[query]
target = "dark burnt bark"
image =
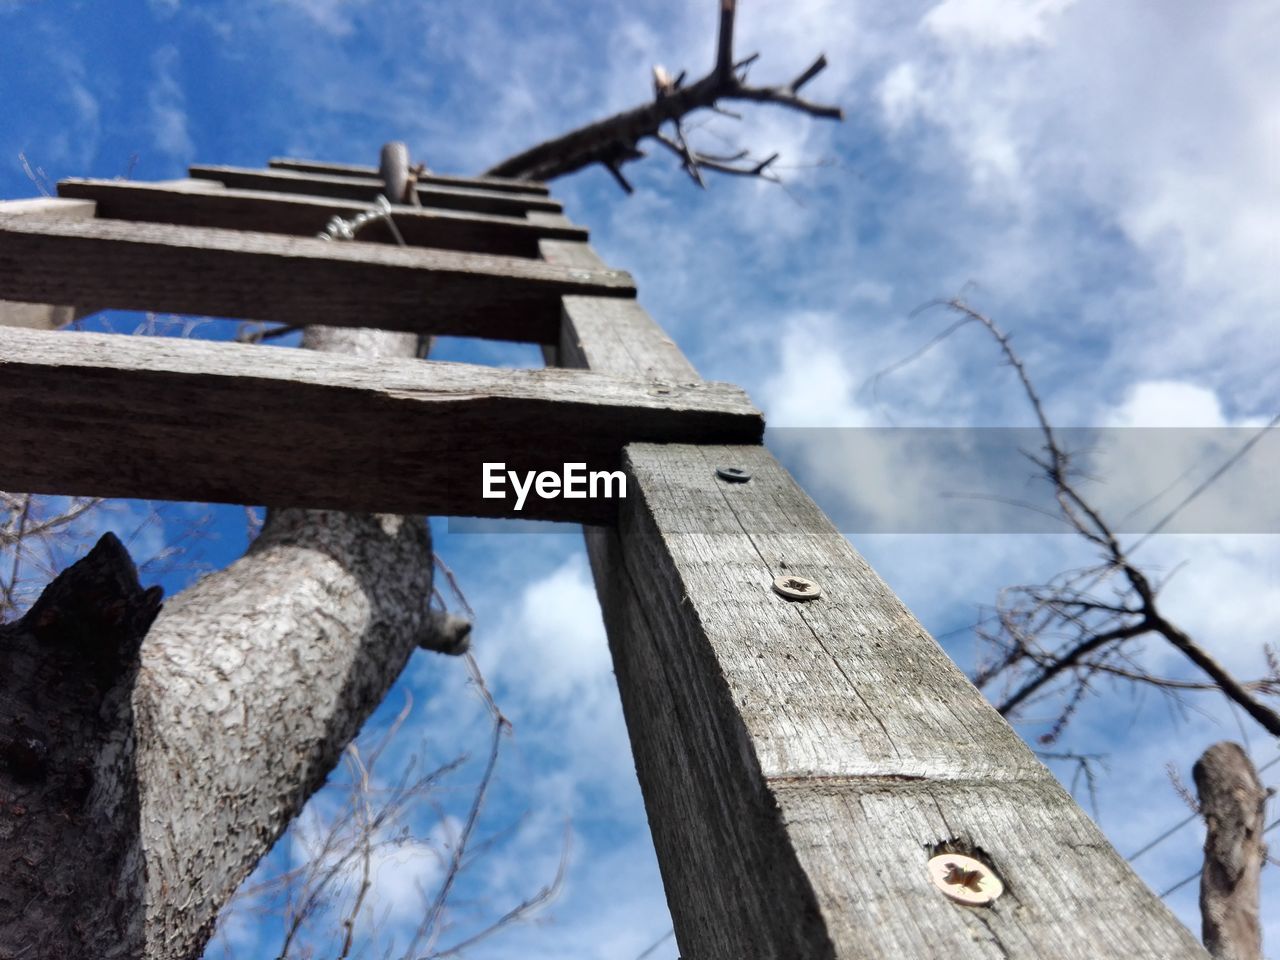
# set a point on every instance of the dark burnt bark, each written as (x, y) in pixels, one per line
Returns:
(69, 803)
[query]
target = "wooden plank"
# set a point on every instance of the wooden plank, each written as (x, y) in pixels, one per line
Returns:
(225, 273)
(300, 215)
(47, 207)
(42, 316)
(801, 761)
(826, 748)
(165, 418)
(366, 190)
(362, 170)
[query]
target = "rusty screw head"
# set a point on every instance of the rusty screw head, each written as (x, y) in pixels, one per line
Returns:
(733, 474)
(796, 588)
(965, 879)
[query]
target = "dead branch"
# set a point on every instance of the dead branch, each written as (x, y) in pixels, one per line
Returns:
(1056, 639)
(37, 532)
(615, 141)
(1233, 802)
(516, 914)
(428, 930)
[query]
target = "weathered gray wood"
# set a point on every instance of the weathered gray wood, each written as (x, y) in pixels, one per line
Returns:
(366, 189)
(362, 170)
(598, 335)
(42, 316)
(827, 748)
(801, 761)
(47, 207)
(1233, 802)
(306, 216)
(178, 419)
(224, 273)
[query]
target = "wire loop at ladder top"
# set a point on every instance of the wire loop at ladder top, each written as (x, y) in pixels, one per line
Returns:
(339, 228)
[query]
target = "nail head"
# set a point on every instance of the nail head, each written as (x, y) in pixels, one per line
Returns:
(796, 588)
(733, 474)
(965, 879)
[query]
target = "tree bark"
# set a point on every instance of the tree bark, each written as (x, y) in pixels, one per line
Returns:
(69, 825)
(1233, 802)
(255, 679)
(140, 788)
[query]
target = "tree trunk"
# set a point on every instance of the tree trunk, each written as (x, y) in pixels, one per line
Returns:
(68, 802)
(1233, 802)
(248, 687)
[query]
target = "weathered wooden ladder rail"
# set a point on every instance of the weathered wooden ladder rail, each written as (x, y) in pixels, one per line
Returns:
(801, 762)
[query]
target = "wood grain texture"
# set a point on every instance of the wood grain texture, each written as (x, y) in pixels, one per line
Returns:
(193, 420)
(307, 216)
(47, 207)
(825, 749)
(801, 761)
(42, 316)
(445, 180)
(225, 273)
(367, 189)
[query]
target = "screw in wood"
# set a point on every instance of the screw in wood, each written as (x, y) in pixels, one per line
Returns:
(733, 474)
(796, 588)
(965, 879)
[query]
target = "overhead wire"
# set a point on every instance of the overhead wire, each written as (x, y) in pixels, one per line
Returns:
(1182, 823)
(1187, 879)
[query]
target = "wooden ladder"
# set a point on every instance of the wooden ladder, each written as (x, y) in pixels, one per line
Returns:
(814, 770)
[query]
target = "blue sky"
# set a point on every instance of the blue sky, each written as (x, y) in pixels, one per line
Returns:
(1104, 179)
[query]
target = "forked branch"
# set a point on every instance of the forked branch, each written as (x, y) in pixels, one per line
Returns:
(615, 141)
(1055, 639)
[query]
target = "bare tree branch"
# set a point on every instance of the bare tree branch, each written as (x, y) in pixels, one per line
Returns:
(1057, 638)
(615, 140)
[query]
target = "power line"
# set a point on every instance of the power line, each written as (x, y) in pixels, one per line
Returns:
(1185, 880)
(1230, 462)
(657, 943)
(1182, 823)
(1163, 837)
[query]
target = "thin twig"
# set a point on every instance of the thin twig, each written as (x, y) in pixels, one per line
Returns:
(1063, 631)
(428, 930)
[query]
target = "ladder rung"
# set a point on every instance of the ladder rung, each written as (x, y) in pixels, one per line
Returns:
(167, 418)
(264, 276)
(306, 216)
(367, 189)
(360, 170)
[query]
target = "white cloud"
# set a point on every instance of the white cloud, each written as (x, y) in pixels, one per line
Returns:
(331, 16)
(994, 23)
(167, 102)
(554, 639)
(812, 387)
(1168, 403)
(1057, 112)
(900, 95)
